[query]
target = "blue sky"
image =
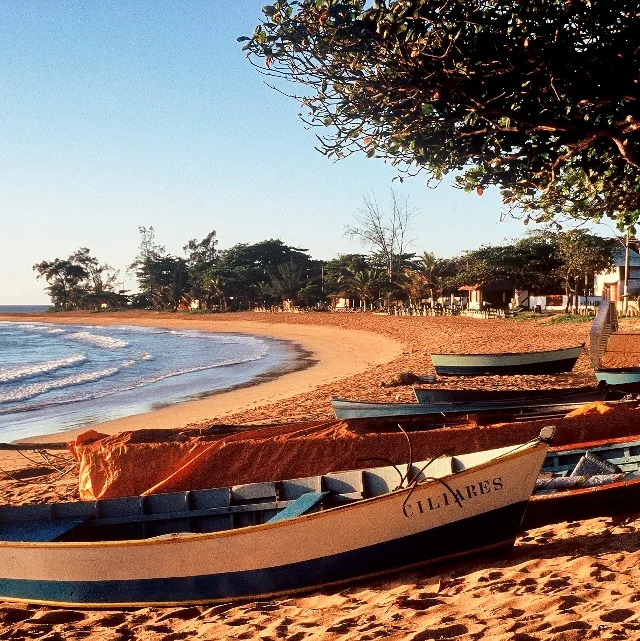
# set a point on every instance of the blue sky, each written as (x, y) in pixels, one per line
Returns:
(121, 114)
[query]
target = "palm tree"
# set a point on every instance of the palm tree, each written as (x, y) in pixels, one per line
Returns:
(287, 281)
(364, 283)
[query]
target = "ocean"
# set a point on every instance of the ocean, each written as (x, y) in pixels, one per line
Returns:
(60, 377)
(23, 309)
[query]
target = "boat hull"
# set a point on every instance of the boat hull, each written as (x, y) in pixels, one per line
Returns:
(345, 409)
(377, 535)
(605, 499)
(442, 396)
(542, 362)
(623, 379)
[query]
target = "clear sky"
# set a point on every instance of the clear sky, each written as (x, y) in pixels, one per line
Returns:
(122, 114)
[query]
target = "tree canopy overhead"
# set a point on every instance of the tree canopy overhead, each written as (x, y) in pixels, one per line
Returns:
(537, 97)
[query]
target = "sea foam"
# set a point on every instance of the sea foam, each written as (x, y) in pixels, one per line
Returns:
(106, 342)
(30, 370)
(25, 392)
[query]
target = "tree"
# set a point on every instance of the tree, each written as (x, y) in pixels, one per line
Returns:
(170, 276)
(385, 233)
(142, 266)
(529, 263)
(64, 278)
(363, 282)
(80, 281)
(201, 258)
(102, 276)
(538, 98)
(582, 255)
(286, 282)
(248, 271)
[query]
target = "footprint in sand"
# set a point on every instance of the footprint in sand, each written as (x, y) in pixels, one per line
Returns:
(445, 632)
(553, 585)
(15, 615)
(184, 614)
(56, 617)
(418, 604)
(617, 616)
(573, 625)
(492, 576)
(344, 626)
(570, 601)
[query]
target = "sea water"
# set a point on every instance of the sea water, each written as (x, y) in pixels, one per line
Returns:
(60, 377)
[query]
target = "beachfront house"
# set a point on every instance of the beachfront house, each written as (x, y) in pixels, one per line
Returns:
(610, 284)
(497, 294)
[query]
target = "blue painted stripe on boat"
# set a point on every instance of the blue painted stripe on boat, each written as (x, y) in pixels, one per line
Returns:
(477, 532)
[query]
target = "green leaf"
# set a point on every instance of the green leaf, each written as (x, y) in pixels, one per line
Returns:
(427, 109)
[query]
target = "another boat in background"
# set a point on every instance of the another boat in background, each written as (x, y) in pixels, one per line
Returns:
(582, 481)
(443, 396)
(504, 409)
(551, 361)
(626, 380)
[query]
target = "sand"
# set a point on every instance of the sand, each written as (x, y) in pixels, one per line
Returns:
(575, 580)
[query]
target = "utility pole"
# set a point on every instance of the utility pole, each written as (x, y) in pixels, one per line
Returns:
(625, 294)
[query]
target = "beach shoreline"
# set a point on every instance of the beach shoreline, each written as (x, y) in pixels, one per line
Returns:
(325, 355)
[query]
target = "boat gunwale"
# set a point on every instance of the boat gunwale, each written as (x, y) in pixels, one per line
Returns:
(570, 447)
(168, 539)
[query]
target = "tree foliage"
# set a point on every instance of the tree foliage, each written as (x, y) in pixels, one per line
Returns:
(530, 263)
(80, 281)
(539, 98)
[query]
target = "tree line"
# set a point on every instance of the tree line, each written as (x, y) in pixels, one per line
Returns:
(271, 273)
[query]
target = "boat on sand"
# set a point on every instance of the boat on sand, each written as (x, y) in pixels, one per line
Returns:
(507, 408)
(263, 539)
(551, 361)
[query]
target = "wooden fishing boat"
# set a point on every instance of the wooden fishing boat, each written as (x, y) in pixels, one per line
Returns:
(581, 481)
(627, 379)
(501, 409)
(457, 396)
(268, 538)
(541, 362)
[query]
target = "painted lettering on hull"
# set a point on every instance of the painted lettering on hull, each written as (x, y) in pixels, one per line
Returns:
(453, 497)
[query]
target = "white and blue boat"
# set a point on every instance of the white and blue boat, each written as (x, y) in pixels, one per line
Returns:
(625, 379)
(551, 361)
(264, 539)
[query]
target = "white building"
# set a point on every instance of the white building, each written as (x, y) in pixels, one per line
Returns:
(611, 284)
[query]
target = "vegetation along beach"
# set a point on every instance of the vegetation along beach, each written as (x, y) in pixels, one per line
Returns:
(218, 217)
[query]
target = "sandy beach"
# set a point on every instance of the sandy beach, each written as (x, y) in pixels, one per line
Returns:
(576, 580)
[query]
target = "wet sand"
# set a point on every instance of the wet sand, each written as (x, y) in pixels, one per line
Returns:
(576, 580)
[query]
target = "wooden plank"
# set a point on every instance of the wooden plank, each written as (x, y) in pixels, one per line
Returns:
(300, 506)
(37, 531)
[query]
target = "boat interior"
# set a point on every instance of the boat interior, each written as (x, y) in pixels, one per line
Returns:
(218, 509)
(593, 466)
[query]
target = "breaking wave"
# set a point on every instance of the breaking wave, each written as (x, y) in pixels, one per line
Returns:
(106, 342)
(31, 370)
(26, 392)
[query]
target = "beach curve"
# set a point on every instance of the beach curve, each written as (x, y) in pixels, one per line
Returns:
(332, 353)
